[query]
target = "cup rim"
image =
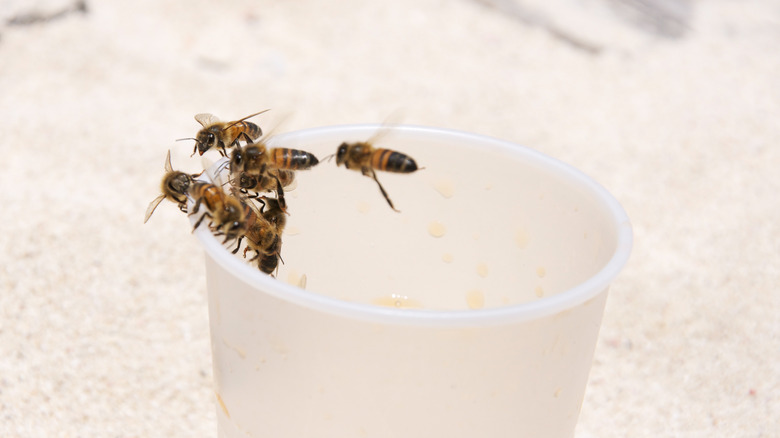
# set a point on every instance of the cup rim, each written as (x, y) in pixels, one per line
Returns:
(516, 313)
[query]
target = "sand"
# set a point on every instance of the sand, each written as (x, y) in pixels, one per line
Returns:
(104, 328)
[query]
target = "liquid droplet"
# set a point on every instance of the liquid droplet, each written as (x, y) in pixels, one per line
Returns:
(521, 238)
(482, 270)
(363, 207)
(475, 299)
(436, 229)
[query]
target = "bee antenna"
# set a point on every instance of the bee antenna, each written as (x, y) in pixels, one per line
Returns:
(328, 157)
(188, 138)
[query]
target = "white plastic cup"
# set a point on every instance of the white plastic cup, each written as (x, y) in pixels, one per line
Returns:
(472, 313)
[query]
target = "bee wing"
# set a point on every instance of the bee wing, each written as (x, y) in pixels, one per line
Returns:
(206, 119)
(269, 135)
(231, 124)
(388, 124)
(168, 166)
(214, 170)
(152, 206)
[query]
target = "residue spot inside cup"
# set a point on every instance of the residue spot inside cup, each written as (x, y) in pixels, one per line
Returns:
(521, 238)
(539, 291)
(398, 301)
(444, 187)
(222, 404)
(541, 272)
(475, 299)
(482, 270)
(363, 207)
(447, 257)
(436, 229)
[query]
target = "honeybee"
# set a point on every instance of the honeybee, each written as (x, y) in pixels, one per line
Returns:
(364, 157)
(228, 214)
(269, 181)
(265, 239)
(256, 159)
(224, 134)
(174, 187)
(272, 212)
(268, 263)
(259, 169)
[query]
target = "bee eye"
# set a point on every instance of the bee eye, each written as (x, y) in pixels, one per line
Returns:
(211, 138)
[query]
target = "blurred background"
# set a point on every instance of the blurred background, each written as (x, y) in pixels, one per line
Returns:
(672, 105)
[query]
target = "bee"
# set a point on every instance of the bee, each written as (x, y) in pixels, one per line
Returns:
(259, 169)
(264, 234)
(272, 212)
(263, 183)
(224, 134)
(175, 186)
(228, 214)
(256, 159)
(364, 157)
(265, 239)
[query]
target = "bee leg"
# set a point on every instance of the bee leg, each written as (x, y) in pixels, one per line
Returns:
(384, 193)
(238, 245)
(197, 224)
(280, 195)
(246, 136)
(195, 208)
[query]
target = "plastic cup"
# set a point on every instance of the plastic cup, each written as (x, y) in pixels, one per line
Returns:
(474, 312)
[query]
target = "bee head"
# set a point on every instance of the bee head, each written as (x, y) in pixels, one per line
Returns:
(206, 140)
(177, 184)
(341, 154)
(246, 181)
(236, 159)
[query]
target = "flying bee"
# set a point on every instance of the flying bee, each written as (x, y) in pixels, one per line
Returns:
(175, 186)
(364, 157)
(259, 169)
(223, 135)
(228, 214)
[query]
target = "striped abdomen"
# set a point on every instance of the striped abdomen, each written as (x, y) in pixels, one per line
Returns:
(392, 161)
(293, 159)
(244, 129)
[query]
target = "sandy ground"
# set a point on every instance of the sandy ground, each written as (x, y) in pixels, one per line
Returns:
(103, 320)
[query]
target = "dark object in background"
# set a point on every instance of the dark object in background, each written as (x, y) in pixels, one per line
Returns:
(666, 18)
(35, 17)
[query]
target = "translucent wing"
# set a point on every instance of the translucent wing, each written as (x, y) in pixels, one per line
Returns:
(152, 206)
(206, 119)
(388, 124)
(214, 170)
(168, 166)
(241, 120)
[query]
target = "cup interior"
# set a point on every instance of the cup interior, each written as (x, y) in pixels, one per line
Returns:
(487, 231)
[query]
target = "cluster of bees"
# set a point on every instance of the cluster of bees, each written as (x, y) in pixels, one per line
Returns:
(244, 208)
